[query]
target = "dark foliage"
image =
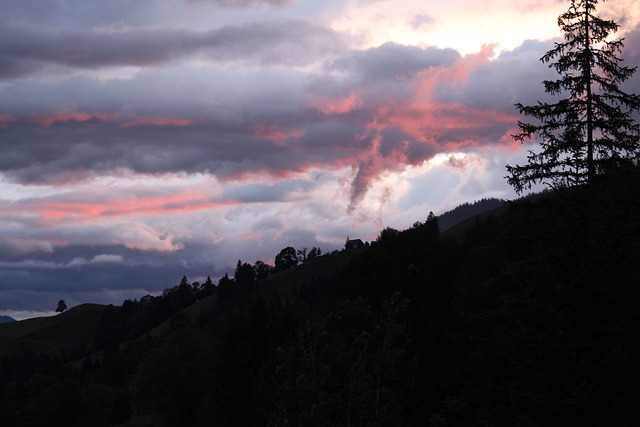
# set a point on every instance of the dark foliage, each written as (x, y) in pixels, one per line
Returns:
(527, 320)
(62, 306)
(287, 258)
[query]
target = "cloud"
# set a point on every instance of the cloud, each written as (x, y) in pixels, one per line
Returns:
(285, 42)
(631, 54)
(422, 20)
(165, 123)
(78, 14)
(394, 61)
(98, 259)
(244, 3)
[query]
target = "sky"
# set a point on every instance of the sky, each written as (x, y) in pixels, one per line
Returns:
(143, 141)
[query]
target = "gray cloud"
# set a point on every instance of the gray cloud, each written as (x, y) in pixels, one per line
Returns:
(631, 55)
(422, 20)
(79, 14)
(393, 61)
(244, 3)
(260, 193)
(24, 50)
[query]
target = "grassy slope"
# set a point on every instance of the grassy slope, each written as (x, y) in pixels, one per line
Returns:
(54, 334)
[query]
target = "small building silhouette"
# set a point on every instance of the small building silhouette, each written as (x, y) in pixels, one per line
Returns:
(353, 244)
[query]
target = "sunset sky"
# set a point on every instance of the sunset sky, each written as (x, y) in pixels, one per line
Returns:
(145, 140)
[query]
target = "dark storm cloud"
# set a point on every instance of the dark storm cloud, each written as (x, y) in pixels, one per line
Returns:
(286, 42)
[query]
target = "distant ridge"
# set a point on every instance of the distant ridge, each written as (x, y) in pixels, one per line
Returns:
(7, 319)
(466, 211)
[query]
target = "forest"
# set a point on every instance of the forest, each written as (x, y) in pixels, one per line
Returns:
(524, 315)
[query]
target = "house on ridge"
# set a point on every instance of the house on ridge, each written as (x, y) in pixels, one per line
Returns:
(353, 244)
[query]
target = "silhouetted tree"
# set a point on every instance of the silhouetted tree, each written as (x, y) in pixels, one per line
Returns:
(62, 306)
(313, 253)
(186, 295)
(302, 255)
(432, 224)
(207, 288)
(225, 280)
(225, 288)
(592, 129)
(245, 275)
(196, 287)
(262, 270)
(388, 238)
(286, 259)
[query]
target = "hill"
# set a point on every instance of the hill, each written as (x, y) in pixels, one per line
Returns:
(71, 331)
(522, 315)
(467, 210)
(7, 319)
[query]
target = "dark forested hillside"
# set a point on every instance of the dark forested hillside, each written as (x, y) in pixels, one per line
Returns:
(529, 319)
(467, 210)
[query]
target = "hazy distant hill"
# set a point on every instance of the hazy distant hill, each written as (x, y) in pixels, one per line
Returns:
(6, 319)
(466, 211)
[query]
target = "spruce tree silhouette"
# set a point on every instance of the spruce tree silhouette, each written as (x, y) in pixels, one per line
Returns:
(591, 131)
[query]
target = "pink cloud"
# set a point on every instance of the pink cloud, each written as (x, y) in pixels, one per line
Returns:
(338, 106)
(276, 133)
(86, 207)
(75, 211)
(71, 116)
(439, 125)
(371, 165)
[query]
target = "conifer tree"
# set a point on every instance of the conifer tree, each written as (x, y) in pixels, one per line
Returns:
(591, 130)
